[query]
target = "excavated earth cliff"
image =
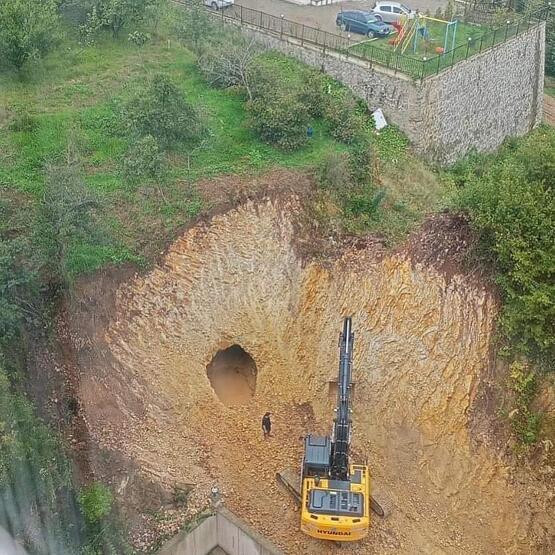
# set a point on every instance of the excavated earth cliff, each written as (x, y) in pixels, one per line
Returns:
(422, 365)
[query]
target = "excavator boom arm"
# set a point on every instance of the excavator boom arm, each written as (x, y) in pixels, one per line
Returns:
(341, 438)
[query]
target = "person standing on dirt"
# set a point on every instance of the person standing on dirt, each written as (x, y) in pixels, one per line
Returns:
(266, 424)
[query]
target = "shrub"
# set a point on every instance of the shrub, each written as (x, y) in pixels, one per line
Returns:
(314, 94)
(362, 159)
(35, 476)
(279, 119)
(138, 38)
(114, 15)
(24, 123)
(28, 30)
(96, 502)
(365, 201)
(161, 111)
(525, 423)
(510, 203)
(144, 160)
(345, 117)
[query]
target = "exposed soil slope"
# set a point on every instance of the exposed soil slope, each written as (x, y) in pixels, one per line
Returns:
(422, 344)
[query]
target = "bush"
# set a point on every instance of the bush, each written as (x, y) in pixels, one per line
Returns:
(347, 122)
(144, 160)
(314, 94)
(138, 38)
(510, 202)
(104, 533)
(96, 502)
(161, 111)
(28, 30)
(362, 159)
(67, 215)
(35, 476)
(279, 119)
(525, 423)
(365, 201)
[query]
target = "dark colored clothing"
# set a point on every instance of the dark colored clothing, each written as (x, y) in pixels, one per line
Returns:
(266, 424)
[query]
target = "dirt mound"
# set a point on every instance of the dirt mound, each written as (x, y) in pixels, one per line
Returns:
(420, 356)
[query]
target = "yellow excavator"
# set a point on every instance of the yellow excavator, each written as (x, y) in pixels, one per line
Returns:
(333, 494)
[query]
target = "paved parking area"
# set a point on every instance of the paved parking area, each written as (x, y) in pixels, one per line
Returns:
(323, 17)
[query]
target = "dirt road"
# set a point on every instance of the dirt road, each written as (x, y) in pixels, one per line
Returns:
(323, 17)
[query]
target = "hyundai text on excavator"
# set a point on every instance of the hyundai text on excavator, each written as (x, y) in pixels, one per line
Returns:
(333, 494)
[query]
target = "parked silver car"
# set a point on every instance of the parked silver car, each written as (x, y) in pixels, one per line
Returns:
(218, 4)
(391, 12)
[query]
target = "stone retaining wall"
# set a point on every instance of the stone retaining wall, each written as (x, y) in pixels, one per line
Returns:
(475, 104)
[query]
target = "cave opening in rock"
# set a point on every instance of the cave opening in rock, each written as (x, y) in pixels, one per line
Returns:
(232, 374)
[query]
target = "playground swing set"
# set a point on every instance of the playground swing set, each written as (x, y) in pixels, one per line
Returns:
(414, 31)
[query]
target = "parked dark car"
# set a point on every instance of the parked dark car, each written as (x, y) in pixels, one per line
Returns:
(364, 23)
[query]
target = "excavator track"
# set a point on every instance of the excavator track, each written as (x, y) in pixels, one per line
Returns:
(292, 482)
(379, 504)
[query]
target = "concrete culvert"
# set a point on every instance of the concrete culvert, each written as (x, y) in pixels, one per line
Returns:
(232, 374)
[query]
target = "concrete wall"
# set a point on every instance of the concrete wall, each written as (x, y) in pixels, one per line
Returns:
(223, 529)
(199, 541)
(475, 104)
(236, 538)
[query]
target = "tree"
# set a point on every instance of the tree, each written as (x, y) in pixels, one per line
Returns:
(279, 118)
(194, 27)
(230, 62)
(160, 110)
(28, 30)
(449, 11)
(116, 14)
(68, 213)
(510, 203)
(144, 160)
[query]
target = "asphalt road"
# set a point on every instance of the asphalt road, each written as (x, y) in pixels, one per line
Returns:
(323, 17)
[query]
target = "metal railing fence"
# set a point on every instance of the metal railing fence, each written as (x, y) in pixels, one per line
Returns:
(413, 66)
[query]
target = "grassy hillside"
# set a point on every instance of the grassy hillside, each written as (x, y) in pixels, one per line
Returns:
(78, 92)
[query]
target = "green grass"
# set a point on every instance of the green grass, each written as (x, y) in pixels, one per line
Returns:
(78, 91)
(58, 102)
